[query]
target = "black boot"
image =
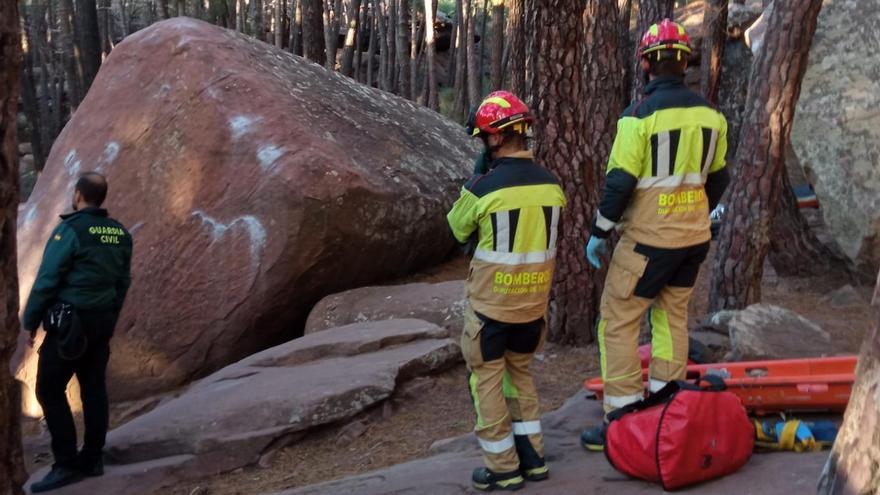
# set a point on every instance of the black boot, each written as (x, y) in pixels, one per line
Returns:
(91, 468)
(486, 480)
(59, 476)
(531, 465)
(594, 438)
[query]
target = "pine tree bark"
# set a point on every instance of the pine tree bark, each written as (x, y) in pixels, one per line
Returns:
(180, 8)
(29, 85)
(404, 84)
(12, 473)
(89, 41)
(430, 10)
(650, 12)
(362, 30)
(331, 33)
(349, 48)
(576, 111)
(852, 466)
(313, 30)
(516, 42)
(775, 86)
(451, 69)
(474, 78)
(497, 55)
(625, 8)
(481, 53)
(257, 24)
(279, 23)
(240, 15)
(105, 15)
(416, 33)
(391, 63)
(382, 21)
(714, 39)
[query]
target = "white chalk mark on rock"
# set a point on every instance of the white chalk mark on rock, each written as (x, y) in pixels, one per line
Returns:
(242, 125)
(111, 151)
(268, 154)
(30, 214)
(255, 229)
(72, 163)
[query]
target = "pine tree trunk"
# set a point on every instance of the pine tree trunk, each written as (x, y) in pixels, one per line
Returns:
(650, 12)
(516, 41)
(29, 86)
(69, 51)
(625, 8)
(453, 47)
(313, 30)
(181, 8)
(391, 42)
(89, 41)
(481, 54)
(382, 21)
(279, 23)
(257, 26)
(776, 77)
(714, 38)
(414, 41)
(163, 9)
(350, 38)
(430, 11)
(374, 12)
(497, 55)
(852, 466)
(362, 30)
(460, 85)
(296, 28)
(240, 15)
(576, 111)
(105, 15)
(404, 85)
(474, 77)
(12, 473)
(331, 33)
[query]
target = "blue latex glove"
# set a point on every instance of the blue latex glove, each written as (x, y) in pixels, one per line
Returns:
(596, 249)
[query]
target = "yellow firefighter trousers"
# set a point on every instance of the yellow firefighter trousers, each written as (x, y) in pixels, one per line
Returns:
(620, 323)
(505, 399)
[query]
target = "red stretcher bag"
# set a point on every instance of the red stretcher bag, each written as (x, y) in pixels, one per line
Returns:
(681, 435)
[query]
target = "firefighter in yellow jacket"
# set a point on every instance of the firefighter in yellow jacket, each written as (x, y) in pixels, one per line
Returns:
(513, 210)
(665, 174)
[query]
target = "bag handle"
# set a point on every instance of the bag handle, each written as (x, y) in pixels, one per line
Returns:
(716, 383)
(660, 397)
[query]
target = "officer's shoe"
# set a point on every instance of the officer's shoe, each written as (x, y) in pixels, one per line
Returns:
(59, 476)
(486, 480)
(91, 469)
(594, 438)
(537, 473)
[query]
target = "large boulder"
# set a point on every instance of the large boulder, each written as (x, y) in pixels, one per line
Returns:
(232, 417)
(254, 184)
(442, 304)
(764, 331)
(836, 131)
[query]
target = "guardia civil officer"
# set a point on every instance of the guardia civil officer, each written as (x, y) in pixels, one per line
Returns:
(77, 296)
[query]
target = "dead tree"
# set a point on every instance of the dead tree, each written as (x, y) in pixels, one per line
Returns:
(852, 466)
(714, 38)
(650, 12)
(12, 474)
(576, 112)
(497, 55)
(775, 86)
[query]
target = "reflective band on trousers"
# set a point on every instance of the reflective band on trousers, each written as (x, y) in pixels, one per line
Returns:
(498, 447)
(514, 258)
(603, 223)
(671, 181)
(526, 427)
(656, 385)
(622, 401)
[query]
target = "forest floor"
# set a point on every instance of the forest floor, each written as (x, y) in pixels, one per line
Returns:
(439, 407)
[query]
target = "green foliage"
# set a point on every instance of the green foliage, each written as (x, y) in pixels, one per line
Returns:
(447, 102)
(447, 7)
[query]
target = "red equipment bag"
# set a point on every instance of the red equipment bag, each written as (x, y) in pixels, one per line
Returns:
(681, 435)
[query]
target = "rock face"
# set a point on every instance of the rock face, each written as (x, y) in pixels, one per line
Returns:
(442, 304)
(836, 131)
(571, 469)
(254, 184)
(763, 331)
(232, 417)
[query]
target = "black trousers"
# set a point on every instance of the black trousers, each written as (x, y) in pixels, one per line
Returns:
(53, 376)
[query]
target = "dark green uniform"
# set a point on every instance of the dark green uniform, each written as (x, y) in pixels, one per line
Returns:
(86, 264)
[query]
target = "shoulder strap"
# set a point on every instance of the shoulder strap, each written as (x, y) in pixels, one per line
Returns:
(662, 396)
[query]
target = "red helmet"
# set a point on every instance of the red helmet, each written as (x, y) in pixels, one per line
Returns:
(499, 110)
(665, 35)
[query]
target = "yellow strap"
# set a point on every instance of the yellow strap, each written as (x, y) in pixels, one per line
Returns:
(788, 437)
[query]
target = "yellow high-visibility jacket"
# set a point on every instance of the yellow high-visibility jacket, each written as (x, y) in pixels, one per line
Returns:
(514, 209)
(667, 168)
